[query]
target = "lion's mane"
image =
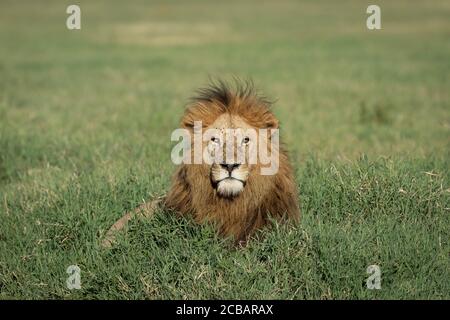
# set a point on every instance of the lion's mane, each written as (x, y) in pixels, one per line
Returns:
(264, 197)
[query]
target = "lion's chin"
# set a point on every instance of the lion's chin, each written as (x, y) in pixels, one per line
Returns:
(230, 188)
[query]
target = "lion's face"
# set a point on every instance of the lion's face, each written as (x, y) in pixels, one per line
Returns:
(230, 142)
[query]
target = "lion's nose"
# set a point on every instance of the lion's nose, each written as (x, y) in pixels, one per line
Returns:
(230, 167)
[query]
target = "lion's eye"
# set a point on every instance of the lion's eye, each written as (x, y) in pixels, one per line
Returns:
(214, 139)
(246, 140)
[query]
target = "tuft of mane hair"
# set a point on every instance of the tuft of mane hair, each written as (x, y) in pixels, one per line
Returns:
(219, 91)
(220, 97)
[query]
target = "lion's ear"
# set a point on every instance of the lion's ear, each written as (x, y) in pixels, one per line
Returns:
(187, 123)
(270, 121)
(189, 119)
(199, 115)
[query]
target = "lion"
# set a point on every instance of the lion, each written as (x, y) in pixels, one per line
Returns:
(231, 193)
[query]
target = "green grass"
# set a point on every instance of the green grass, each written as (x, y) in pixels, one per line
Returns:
(85, 124)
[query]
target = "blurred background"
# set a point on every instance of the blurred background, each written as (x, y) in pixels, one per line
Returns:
(122, 81)
(85, 123)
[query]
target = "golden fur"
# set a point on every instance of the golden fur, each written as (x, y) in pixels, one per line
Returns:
(193, 191)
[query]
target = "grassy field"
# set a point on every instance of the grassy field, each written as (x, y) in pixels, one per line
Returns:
(85, 124)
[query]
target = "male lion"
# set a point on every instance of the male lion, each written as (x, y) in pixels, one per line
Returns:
(232, 194)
